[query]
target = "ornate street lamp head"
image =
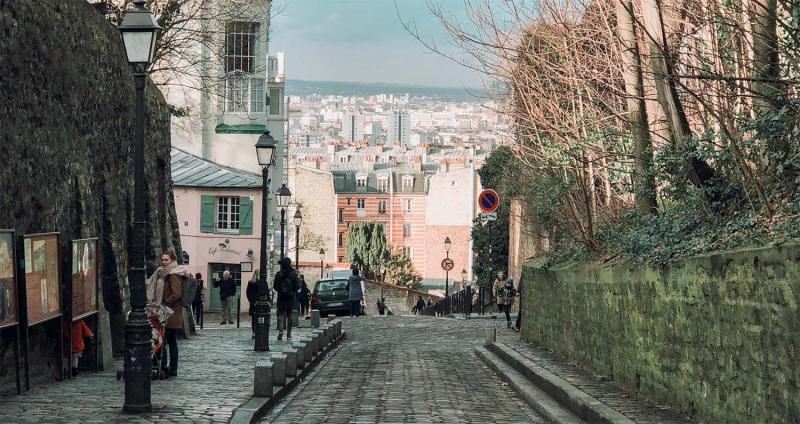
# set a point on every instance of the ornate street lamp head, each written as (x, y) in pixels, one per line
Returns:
(265, 149)
(139, 30)
(284, 196)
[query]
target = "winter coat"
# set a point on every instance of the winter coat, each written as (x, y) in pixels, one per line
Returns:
(173, 290)
(506, 292)
(286, 285)
(252, 294)
(355, 287)
(227, 288)
(304, 292)
(79, 331)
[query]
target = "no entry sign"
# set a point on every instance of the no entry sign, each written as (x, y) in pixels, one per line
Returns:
(488, 200)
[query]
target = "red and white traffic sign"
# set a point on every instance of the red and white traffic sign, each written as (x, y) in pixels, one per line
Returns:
(447, 264)
(488, 200)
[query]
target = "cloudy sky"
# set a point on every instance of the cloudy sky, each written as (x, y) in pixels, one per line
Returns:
(364, 41)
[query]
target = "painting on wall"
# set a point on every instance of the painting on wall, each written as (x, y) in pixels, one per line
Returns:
(42, 277)
(84, 277)
(8, 281)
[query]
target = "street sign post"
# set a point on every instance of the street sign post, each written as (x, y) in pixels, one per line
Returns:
(447, 264)
(488, 200)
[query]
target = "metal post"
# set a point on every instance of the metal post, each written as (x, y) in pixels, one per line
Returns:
(262, 306)
(321, 269)
(138, 332)
(297, 248)
(283, 227)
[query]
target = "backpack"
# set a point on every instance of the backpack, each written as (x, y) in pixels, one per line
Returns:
(189, 289)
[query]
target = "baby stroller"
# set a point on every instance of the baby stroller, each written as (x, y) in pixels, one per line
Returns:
(158, 315)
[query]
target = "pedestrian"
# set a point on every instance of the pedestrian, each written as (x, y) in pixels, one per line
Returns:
(505, 297)
(382, 306)
(420, 305)
(355, 286)
(286, 285)
(165, 286)
(79, 331)
(197, 304)
(429, 302)
(227, 289)
(499, 281)
(304, 295)
(518, 325)
(251, 292)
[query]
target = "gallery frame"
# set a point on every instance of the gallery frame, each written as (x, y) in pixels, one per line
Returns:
(84, 290)
(9, 295)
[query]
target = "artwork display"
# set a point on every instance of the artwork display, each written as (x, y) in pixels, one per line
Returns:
(84, 277)
(42, 277)
(8, 283)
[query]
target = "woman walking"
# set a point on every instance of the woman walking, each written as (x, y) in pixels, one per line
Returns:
(505, 297)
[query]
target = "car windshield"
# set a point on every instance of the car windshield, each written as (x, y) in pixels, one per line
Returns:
(331, 285)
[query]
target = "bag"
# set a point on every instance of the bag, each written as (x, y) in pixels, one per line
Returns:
(189, 291)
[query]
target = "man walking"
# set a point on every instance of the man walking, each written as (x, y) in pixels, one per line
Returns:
(227, 289)
(355, 286)
(286, 286)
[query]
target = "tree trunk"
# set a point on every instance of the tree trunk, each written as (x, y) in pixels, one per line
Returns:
(644, 181)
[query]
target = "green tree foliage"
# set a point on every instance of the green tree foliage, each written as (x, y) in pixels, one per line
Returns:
(366, 247)
(490, 240)
(400, 271)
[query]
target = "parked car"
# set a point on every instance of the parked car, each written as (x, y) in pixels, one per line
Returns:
(330, 296)
(337, 274)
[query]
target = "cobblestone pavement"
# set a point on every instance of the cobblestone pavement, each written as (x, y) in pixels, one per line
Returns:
(398, 369)
(215, 376)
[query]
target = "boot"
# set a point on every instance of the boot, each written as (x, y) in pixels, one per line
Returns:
(280, 335)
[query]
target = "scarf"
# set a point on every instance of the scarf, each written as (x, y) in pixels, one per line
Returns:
(155, 284)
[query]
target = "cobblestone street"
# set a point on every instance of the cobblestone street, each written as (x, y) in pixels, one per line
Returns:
(406, 369)
(215, 376)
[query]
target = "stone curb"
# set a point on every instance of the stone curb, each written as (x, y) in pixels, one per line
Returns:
(535, 397)
(579, 402)
(256, 408)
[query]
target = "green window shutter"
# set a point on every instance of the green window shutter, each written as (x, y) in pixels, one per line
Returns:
(206, 214)
(245, 216)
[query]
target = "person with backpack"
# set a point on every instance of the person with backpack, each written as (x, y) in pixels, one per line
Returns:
(165, 286)
(285, 285)
(304, 294)
(355, 287)
(505, 297)
(251, 292)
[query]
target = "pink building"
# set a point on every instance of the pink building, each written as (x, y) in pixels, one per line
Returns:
(219, 215)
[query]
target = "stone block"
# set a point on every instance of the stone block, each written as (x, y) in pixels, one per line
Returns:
(315, 318)
(491, 335)
(291, 363)
(295, 317)
(278, 368)
(299, 351)
(262, 379)
(331, 318)
(308, 352)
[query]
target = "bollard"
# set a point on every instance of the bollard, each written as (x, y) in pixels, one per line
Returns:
(278, 369)
(300, 352)
(331, 318)
(315, 318)
(308, 353)
(262, 379)
(291, 363)
(295, 318)
(322, 339)
(491, 335)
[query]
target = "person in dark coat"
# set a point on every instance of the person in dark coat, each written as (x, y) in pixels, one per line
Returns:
(419, 306)
(197, 304)
(355, 288)
(286, 285)
(303, 296)
(227, 289)
(382, 306)
(252, 295)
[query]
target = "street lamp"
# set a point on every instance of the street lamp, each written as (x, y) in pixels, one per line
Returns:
(283, 197)
(298, 219)
(447, 245)
(265, 152)
(139, 33)
(321, 262)
(383, 278)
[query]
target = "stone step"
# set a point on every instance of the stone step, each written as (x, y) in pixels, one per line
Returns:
(535, 397)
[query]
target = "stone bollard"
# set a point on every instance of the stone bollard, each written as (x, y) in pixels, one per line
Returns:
(315, 318)
(308, 352)
(262, 379)
(491, 336)
(331, 318)
(295, 318)
(291, 363)
(323, 339)
(278, 369)
(299, 351)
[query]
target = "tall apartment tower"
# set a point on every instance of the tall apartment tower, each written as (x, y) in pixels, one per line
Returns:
(352, 127)
(399, 130)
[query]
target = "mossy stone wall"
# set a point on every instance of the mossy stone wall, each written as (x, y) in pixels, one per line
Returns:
(716, 336)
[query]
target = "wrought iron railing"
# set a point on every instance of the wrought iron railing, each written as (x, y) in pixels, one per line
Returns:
(462, 302)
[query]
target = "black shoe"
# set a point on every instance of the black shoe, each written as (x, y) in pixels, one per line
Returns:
(74, 372)
(172, 373)
(230, 322)
(223, 323)
(252, 336)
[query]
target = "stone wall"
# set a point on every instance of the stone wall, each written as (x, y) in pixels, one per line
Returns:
(66, 143)
(716, 336)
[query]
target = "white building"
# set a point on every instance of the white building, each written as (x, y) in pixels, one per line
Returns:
(399, 129)
(352, 127)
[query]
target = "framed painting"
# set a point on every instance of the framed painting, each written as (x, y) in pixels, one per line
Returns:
(84, 278)
(9, 314)
(42, 277)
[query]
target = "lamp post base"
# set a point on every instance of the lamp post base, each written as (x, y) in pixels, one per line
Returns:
(138, 363)
(261, 317)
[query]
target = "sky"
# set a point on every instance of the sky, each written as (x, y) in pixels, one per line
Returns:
(364, 41)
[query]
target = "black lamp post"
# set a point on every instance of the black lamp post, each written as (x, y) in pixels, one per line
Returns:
(139, 32)
(321, 262)
(298, 219)
(447, 245)
(265, 151)
(463, 277)
(283, 197)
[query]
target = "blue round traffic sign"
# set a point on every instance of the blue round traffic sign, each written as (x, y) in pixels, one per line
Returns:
(488, 200)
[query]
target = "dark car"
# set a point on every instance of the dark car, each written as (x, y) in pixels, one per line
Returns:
(331, 296)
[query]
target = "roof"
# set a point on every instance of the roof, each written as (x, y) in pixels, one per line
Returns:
(189, 170)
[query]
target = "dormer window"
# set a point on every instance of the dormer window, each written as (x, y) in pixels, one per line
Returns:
(408, 183)
(361, 181)
(383, 184)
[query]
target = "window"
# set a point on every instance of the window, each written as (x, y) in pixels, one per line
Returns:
(407, 205)
(340, 240)
(406, 229)
(340, 259)
(227, 213)
(408, 183)
(408, 251)
(240, 46)
(348, 201)
(341, 215)
(244, 94)
(361, 203)
(382, 206)
(383, 184)
(275, 101)
(361, 181)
